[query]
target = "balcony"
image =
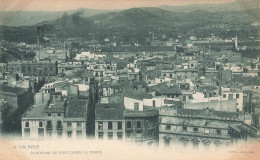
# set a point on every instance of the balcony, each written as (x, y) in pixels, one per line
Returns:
(59, 127)
(49, 127)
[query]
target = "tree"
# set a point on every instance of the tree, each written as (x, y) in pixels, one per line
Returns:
(90, 114)
(96, 94)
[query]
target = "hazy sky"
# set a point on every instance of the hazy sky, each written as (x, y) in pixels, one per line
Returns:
(57, 5)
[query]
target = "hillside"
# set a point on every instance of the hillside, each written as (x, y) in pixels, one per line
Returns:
(137, 24)
(28, 18)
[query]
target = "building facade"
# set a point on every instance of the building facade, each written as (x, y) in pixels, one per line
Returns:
(196, 127)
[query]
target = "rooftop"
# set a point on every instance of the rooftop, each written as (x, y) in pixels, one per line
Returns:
(13, 90)
(110, 111)
(35, 111)
(140, 95)
(147, 111)
(55, 107)
(164, 88)
(76, 108)
(205, 113)
(207, 88)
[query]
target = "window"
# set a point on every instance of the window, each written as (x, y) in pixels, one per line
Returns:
(168, 127)
(191, 65)
(69, 134)
(184, 128)
(136, 106)
(218, 131)
(49, 125)
(110, 126)
(128, 124)
(153, 103)
(110, 135)
(100, 125)
(138, 125)
(59, 114)
(237, 95)
(206, 130)
(184, 98)
(164, 75)
(224, 95)
(119, 135)
(170, 75)
(166, 142)
(40, 132)
(68, 124)
(78, 124)
(49, 114)
(27, 132)
(40, 124)
(195, 129)
(26, 124)
(79, 133)
(100, 135)
(119, 125)
(59, 126)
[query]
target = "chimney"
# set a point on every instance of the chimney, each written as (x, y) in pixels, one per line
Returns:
(38, 36)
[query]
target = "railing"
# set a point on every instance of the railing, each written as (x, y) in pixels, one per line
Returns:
(49, 127)
(59, 127)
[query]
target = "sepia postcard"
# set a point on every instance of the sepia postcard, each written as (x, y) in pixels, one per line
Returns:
(130, 79)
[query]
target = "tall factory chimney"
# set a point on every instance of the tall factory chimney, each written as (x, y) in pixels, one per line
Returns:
(38, 36)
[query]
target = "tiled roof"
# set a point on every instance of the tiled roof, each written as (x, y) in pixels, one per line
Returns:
(76, 108)
(207, 88)
(13, 90)
(207, 113)
(140, 95)
(163, 88)
(55, 107)
(109, 111)
(35, 111)
(147, 111)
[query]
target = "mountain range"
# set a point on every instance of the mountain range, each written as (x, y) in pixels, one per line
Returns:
(136, 24)
(27, 18)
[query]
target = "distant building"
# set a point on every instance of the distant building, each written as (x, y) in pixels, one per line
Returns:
(167, 90)
(181, 73)
(234, 95)
(32, 68)
(109, 88)
(52, 54)
(69, 66)
(3, 67)
(18, 98)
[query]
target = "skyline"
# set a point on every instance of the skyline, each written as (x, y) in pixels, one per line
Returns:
(62, 5)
